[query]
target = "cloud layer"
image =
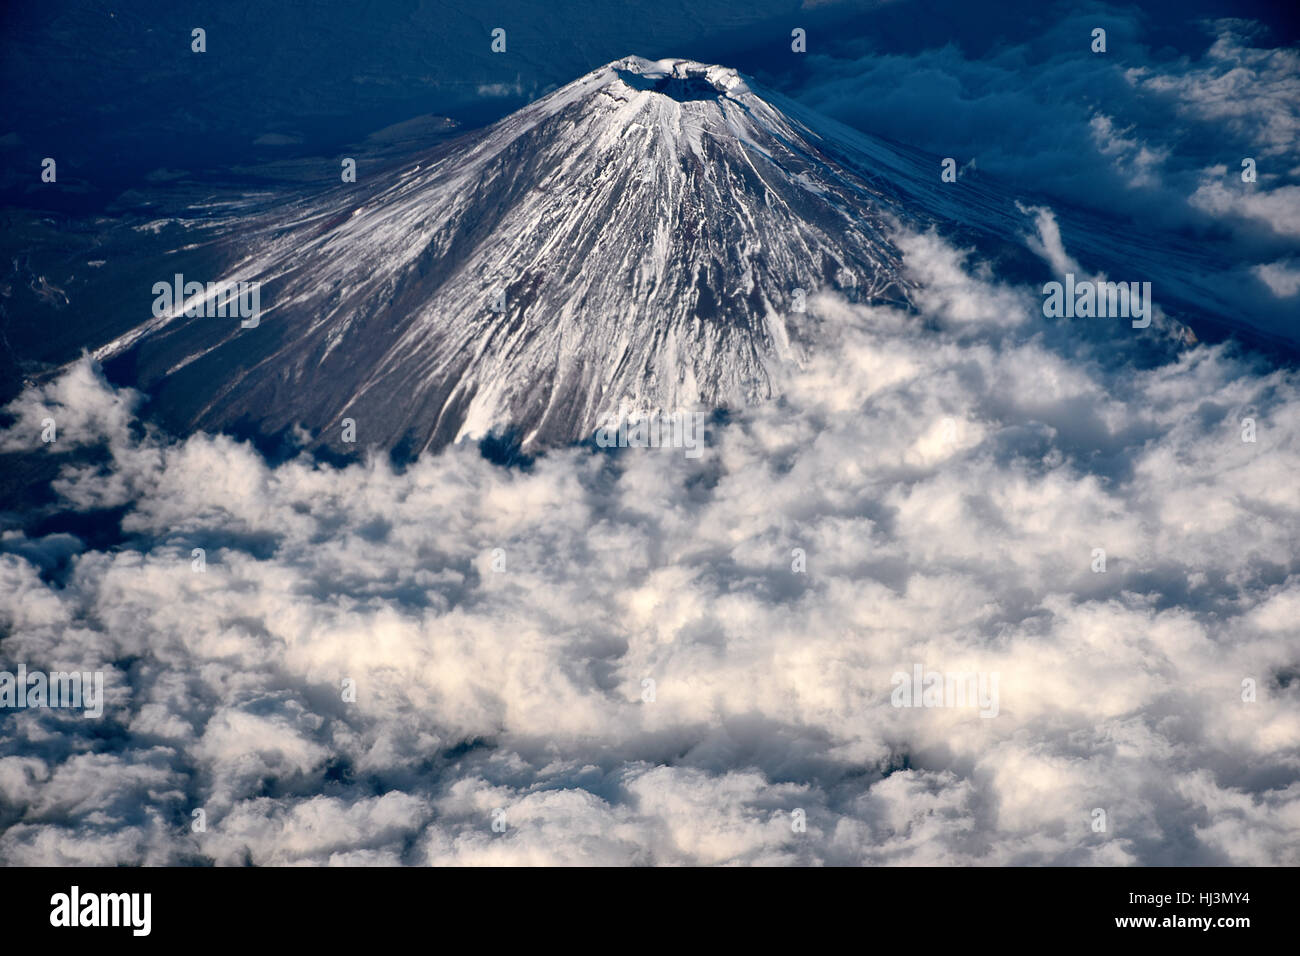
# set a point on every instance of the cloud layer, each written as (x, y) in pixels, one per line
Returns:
(1155, 141)
(943, 479)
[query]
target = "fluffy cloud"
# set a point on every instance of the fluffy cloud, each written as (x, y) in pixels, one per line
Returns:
(1229, 198)
(87, 413)
(648, 680)
(1254, 92)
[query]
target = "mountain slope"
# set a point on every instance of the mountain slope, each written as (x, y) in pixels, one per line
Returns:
(648, 224)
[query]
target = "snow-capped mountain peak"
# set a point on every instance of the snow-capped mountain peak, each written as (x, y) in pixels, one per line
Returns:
(639, 236)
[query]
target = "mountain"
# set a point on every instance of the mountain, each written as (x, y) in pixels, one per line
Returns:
(635, 239)
(638, 235)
